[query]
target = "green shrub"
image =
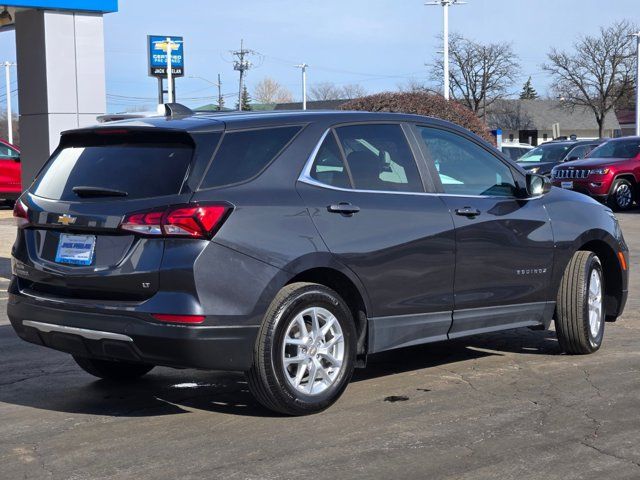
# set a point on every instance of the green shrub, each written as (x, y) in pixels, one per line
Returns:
(422, 103)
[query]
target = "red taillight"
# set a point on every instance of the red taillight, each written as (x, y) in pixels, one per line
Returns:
(178, 318)
(194, 221)
(21, 214)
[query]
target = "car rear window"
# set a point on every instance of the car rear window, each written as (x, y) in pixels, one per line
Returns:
(244, 154)
(141, 169)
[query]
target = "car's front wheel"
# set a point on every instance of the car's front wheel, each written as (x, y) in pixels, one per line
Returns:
(111, 370)
(305, 351)
(621, 196)
(580, 311)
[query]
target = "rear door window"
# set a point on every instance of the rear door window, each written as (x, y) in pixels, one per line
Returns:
(141, 170)
(328, 167)
(244, 154)
(379, 158)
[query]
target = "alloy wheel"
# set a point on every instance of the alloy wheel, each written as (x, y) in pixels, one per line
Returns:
(623, 195)
(595, 303)
(313, 350)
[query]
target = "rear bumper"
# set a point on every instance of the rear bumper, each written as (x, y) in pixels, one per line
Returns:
(120, 335)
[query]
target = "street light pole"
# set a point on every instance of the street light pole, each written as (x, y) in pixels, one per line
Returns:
(7, 72)
(303, 67)
(445, 36)
(637, 35)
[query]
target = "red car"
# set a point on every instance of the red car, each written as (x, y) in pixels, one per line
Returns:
(10, 185)
(611, 173)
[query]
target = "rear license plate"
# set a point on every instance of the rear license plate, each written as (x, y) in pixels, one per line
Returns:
(76, 249)
(566, 185)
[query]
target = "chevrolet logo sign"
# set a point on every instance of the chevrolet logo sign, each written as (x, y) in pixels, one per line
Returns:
(66, 219)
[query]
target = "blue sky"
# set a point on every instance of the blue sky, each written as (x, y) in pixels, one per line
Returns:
(376, 43)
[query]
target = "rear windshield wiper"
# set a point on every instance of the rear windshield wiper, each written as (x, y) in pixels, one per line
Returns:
(84, 191)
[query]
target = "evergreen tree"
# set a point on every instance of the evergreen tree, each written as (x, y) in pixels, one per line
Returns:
(528, 92)
(246, 99)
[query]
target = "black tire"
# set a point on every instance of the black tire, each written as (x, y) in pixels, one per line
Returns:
(266, 378)
(111, 370)
(572, 308)
(621, 195)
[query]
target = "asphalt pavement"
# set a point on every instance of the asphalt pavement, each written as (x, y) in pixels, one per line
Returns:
(500, 406)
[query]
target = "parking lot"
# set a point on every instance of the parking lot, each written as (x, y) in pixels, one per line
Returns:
(501, 406)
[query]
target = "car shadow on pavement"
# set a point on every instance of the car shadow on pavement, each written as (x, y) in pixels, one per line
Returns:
(45, 379)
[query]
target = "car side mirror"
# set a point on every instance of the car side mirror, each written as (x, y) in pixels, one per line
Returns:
(537, 184)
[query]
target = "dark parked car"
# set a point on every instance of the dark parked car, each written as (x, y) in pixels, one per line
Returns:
(292, 245)
(543, 158)
(611, 174)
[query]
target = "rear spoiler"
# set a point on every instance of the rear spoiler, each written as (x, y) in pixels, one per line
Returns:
(171, 110)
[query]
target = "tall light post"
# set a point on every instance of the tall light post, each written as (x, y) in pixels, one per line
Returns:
(7, 72)
(445, 36)
(637, 35)
(303, 67)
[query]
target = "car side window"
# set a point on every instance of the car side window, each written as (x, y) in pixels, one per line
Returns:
(578, 152)
(8, 152)
(379, 158)
(466, 168)
(328, 167)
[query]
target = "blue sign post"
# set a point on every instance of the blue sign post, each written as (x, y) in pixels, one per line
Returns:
(156, 46)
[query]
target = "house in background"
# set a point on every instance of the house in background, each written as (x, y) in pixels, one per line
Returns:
(531, 121)
(627, 120)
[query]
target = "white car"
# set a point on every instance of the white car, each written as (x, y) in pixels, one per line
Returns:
(515, 150)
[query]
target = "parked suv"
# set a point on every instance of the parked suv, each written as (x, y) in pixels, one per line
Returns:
(610, 174)
(543, 158)
(10, 185)
(291, 245)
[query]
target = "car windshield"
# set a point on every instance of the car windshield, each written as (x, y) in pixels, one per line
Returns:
(546, 153)
(617, 149)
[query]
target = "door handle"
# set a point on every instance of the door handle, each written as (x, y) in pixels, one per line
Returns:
(344, 208)
(467, 212)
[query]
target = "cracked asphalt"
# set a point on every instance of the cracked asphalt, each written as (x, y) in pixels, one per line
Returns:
(501, 406)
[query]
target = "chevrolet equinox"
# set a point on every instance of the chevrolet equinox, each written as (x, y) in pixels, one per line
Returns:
(290, 245)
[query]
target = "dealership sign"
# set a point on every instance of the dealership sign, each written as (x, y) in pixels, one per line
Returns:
(158, 47)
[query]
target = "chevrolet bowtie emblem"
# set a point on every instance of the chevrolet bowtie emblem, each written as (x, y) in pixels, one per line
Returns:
(66, 219)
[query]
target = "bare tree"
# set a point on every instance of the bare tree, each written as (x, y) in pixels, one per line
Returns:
(325, 91)
(269, 90)
(509, 115)
(597, 73)
(479, 73)
(353, 90)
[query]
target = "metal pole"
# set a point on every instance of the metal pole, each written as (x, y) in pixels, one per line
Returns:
(241, 75)
(169, 68)
(219, 93)
(7, 65)
(303, 67)
(637, 35)
(445, 35)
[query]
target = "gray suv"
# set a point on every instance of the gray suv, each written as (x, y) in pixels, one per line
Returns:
(291, 245)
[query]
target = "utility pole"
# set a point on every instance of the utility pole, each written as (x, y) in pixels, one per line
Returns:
(219, 93)
(303, 67)
(445, 36)
(7, 66)
(637, 35)
(241, 65)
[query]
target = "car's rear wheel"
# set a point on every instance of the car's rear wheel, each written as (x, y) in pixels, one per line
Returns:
(621, 196)
(111, 370)
(580, 315)
(305, 351)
